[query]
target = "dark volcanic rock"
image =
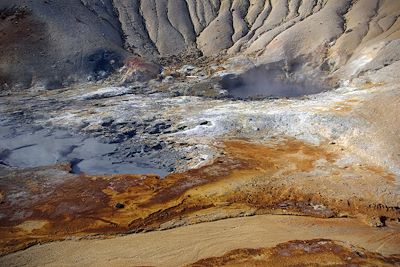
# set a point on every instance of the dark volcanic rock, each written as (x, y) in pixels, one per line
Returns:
(120, 206)
(159, 127)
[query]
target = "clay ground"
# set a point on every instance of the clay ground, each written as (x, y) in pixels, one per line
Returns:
(187, 244)
(334, 181)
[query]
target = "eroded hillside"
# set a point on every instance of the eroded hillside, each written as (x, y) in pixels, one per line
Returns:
(58, 42)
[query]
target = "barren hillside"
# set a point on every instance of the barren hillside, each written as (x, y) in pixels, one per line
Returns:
(54, 43)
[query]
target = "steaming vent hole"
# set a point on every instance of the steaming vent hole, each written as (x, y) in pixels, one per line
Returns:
(266, 82)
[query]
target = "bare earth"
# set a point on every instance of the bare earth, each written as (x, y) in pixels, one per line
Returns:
(202, 133)
(187, 244)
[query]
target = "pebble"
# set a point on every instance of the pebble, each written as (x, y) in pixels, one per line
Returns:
(120, 206)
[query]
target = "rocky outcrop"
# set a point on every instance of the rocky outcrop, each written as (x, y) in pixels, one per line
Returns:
(301, 252)
(57, 42)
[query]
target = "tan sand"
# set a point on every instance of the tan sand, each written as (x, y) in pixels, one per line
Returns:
(188, 244)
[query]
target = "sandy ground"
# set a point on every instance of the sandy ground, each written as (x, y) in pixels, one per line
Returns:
(188, 244)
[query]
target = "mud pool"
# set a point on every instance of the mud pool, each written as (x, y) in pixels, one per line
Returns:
(44, 147)
(263, 82)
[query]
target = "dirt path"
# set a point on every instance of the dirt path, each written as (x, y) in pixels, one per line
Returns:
(188, 244)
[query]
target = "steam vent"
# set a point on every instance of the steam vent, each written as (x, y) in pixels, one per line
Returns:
(199, 133)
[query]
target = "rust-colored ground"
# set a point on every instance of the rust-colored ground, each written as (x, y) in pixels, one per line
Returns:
(188, 244)
(283, 177)
(317, 252)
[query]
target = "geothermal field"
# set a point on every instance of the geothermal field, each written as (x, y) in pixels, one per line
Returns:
(200, 133)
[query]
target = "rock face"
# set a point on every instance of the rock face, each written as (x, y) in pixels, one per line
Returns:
(56, 42)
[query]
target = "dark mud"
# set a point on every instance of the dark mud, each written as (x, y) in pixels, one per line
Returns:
(45, 147)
